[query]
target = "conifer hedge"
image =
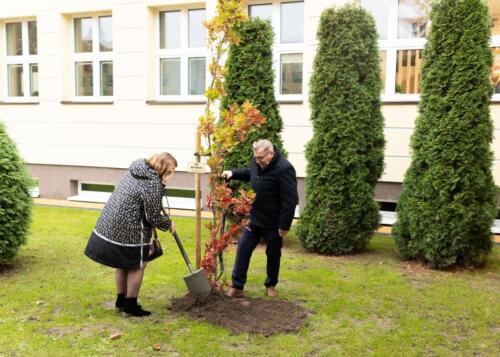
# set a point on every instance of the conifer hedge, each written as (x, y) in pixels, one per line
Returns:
(15, 199)
(250, 76)
(345, 155)
(448, 202)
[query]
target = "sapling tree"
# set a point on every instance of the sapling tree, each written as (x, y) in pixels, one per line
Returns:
(222, 133)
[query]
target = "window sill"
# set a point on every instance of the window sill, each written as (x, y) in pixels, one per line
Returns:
(19, 103)
(289, 101)
(70, 102)
(174, 102)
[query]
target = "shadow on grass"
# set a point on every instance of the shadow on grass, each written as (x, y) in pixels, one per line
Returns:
(19, 265)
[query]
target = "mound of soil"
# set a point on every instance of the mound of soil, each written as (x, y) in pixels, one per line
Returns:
(244, 314)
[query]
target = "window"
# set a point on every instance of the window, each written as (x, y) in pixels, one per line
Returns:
(494, 7)
(181, 54)
(93, 192)
(21, 60)
(93, 57)
(287, 19)
(495, 76)
(402, 27)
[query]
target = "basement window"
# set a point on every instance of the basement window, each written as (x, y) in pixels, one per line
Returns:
(93, 192)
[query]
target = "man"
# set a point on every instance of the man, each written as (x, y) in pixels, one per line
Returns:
(275, 184)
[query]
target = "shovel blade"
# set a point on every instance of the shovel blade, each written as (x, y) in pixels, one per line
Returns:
(197, 284)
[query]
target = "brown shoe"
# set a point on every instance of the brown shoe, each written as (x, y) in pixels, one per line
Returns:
(234, 293)
(271, 292)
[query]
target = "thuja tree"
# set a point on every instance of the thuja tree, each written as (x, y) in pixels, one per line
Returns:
(448, 202)
(15, 200)
(222, 134)
(345, 155)
(250, 76)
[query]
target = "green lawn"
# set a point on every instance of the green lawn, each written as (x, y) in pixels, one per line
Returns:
(56, 302)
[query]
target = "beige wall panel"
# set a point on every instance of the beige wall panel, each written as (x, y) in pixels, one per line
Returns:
(496, 172)
(26, 8)
(49, 67)
(495, 114)
(495, 146)
(395, 168)
(129, 65)
(400, 115)
(127, 16)
(295, 137)
(46, 23)
(130, 88)
(130, 40)
(397, 141)
(299, 163)
(47, 44)
(161, 3)
(50, 91)
(95, 134)
(116, 157)
(293, 114)
(87, 6)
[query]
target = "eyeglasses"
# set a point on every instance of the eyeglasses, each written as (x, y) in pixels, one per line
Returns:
(260, 157)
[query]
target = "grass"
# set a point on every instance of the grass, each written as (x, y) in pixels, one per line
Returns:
(56, 302)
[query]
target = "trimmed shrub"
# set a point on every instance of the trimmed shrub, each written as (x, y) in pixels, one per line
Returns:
(345, 156)
(15, 199)
(250, 76)
(448, 202)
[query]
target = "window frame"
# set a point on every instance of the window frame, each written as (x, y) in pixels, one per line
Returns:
(95, 57)
(282, 48)
(26, 59)
(391, 45)
(183, 53)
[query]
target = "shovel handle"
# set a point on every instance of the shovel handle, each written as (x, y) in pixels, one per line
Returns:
(183, 252)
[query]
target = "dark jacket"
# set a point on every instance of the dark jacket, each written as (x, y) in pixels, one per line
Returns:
(134, 207)
(276, 192)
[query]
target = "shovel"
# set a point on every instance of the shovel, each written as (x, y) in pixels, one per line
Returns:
(196, 282)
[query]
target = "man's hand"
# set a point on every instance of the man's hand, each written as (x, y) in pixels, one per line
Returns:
(282, 233)
(172, 228)
(226, 175)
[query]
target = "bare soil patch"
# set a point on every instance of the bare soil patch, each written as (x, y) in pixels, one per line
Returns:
(244, 314)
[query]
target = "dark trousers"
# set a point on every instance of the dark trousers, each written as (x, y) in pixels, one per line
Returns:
(246, 246)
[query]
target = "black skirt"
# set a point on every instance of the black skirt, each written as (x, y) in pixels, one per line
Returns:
(114, 255)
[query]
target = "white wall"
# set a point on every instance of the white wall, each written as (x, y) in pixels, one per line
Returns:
(112, 135)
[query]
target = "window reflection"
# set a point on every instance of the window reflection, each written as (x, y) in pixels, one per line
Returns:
(494, 6)
(495, 75)
(413, 16)
(380, 13)
(408, 71)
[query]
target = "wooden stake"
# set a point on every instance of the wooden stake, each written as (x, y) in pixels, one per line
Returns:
(197, 198)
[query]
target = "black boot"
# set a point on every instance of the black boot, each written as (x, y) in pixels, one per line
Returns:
(120, 302)
(132, 309)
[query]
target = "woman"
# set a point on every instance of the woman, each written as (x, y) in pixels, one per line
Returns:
(122, 234)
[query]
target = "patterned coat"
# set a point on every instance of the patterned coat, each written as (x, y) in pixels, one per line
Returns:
(133, 208)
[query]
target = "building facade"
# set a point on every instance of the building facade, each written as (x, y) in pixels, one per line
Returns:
(88, 86)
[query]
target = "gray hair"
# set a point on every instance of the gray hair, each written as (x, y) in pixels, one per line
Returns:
(263, 144)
